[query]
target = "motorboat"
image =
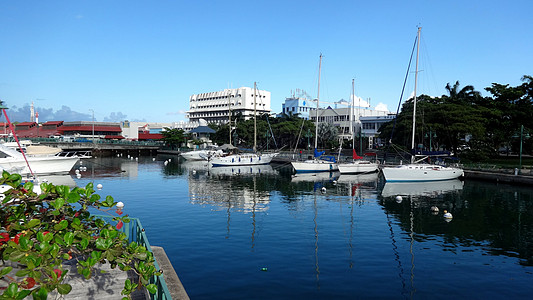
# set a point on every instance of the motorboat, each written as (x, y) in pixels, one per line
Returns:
(244, 159)
(13, 161)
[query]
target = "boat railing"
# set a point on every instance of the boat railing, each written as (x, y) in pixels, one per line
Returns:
(135, 233)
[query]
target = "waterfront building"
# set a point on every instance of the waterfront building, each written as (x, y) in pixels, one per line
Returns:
(69, 130)
(214, 107)
(366, 121)
(298, 103)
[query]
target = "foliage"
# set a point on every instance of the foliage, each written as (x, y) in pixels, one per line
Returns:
(40, 233)
(465, 119)
(328, 135)
(174, 136)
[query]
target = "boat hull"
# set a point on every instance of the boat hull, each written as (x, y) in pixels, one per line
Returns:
(39, 165)
(358, 167)
(311, 166)
(242, 160)
(416, 172)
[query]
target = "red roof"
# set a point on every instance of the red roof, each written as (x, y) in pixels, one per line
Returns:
(53, 123)
(26, 124)
(90, 128)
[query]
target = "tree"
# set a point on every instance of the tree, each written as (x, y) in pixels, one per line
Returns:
(174, 137)
(328, 135)
(40, 233)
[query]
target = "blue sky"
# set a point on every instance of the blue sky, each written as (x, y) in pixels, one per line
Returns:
(141, 60)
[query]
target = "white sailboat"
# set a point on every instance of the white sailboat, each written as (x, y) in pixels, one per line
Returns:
(245, 159)
(357, 165)
(416, 171)
(316, 164)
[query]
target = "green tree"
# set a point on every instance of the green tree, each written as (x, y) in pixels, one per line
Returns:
(174, 137)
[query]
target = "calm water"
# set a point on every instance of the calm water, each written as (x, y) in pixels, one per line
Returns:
(254, 233)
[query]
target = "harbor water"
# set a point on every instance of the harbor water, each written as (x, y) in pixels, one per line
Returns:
(263, 233)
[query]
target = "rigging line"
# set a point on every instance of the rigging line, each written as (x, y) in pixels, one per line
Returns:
(403, 88)
(17, 140)
(299, 134)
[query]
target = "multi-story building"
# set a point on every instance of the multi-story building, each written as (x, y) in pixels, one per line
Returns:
(214, 107)
(365, 121)
(298, 103)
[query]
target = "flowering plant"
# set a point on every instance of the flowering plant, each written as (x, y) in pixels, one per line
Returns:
(40, 233)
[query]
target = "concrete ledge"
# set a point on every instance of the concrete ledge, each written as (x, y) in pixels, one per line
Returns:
(177, 291)
(499, 177)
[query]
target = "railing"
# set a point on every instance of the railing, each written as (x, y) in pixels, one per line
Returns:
(135, 233)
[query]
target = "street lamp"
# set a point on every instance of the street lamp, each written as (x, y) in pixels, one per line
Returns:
(93, 123)
(521, 141)
(308, 135)
(431, 135)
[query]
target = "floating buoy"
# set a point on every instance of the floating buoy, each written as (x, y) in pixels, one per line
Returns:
(166, 163)
(334, 182)
(399, 199)
(323, 189)
(118, 154)
(136, 158)
(81, 162)
(153, 159)
(434, 209)
(77, 171)
(78, 175)
(447, 215)
(194, 171)
(264, 269)
(99, 186)
(120, 205)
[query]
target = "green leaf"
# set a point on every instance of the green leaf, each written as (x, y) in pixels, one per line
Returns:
(152, 288)
(41, 294)
(64, 289)
(24, 243)
(84, 243)
(5, 271)
(61, 225)
(32, 223)
(58, 203)
(23, 294)
(68, 238)
(22, 273)
(73, 198)
(12, 290)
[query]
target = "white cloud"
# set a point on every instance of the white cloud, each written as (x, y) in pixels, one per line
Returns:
(382, 107)
(358, 101)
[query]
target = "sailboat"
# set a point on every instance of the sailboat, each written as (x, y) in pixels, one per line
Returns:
(245, 159)
(316, 164)
(357, 165)
(416, 171)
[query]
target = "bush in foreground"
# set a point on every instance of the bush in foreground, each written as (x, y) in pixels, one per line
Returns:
(40, 232)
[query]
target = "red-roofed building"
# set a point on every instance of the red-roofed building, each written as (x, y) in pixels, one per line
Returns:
(102, 130)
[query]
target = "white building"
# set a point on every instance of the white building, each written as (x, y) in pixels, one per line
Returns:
(298, 103)
(365, 121)
(214, 107)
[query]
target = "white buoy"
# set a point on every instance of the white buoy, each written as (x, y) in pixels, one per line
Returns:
(118, 154)
(120, 205)
(334, 182)
(136, 158)
(194, 171)
(447, 215)
(399, 199)
(166, 162)
(81, 162)
(78, 175)
(153, 159)
(323, 189)
(77, 171)
(99, 186)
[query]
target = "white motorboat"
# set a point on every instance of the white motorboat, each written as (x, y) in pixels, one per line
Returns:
(14, 162)
(200, 154)
(416, 171)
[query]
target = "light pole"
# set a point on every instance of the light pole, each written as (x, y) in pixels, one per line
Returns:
(521, 142)
(431, 135)
(93, 123)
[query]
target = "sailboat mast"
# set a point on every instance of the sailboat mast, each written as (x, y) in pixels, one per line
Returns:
(317, 101)
(352, 132)
(255, 120)
(414, 100)
(229, 115)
